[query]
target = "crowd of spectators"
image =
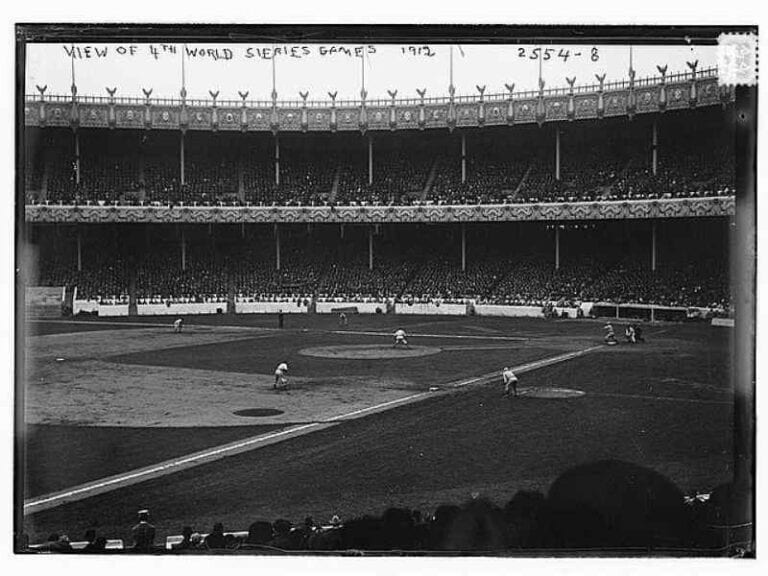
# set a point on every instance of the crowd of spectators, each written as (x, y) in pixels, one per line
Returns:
(524, 282)
(103, 278)
(597, 162)
(399, 177)
(577, 514)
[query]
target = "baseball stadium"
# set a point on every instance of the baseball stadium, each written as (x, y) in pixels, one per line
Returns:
(177, 251)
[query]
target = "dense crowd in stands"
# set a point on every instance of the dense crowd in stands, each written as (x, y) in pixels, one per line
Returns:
(576, 515)
(611, 162)
(253, 277)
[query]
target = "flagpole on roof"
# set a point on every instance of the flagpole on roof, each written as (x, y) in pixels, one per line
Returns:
(183, 70)
(450, 84)
(541, 64)
(274, 83)
(72, 61)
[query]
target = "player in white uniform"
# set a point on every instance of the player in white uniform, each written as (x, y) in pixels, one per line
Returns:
(610, 336)
(280, 375)
(400, 339)
(509, 379)
(177, 325)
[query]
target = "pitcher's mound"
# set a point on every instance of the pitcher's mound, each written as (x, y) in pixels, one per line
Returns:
(550, 393)
(368, 351)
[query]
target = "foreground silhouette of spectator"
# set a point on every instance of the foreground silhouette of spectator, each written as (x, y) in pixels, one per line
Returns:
(282, 535)
(186, 543)
(95, 544)
(215, 540)
(527, 515)
(611, 503)
(143, 533)
(57, 543)
(726, 519)
(441, 521)
(479, 527)
(398, 529)
(259, 533)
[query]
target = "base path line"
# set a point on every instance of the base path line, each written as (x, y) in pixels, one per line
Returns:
(415, 335)
(523, 368)
(175, 465)
(188, 327)
(111, 483)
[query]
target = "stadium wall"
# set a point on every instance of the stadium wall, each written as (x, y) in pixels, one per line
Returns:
(431, 309)
(181, 309)
(112, 309)
(44, 300)
(271, 307)
(361, 307)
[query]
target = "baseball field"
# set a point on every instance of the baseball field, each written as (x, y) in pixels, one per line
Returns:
(124, 414)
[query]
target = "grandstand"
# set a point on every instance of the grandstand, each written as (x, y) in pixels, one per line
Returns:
(614, 201)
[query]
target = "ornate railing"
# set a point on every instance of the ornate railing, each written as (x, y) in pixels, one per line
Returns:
(605, 99)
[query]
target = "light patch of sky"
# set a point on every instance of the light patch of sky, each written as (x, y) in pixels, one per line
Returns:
(315, 69)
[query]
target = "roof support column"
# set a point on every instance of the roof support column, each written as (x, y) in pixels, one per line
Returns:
(370, 159)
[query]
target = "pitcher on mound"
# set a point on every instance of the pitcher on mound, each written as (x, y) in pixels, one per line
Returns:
(400, 339)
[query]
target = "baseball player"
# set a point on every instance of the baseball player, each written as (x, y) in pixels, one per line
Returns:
(177, 324)
(509, 379)
(610, 336)
(400, 339)
(280, 376)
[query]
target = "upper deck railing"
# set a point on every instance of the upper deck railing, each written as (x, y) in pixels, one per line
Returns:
(695, 88)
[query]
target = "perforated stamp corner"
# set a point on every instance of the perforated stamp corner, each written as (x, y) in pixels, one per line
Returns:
(737, 59)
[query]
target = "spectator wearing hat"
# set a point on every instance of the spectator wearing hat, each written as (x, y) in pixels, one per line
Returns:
(143, 533)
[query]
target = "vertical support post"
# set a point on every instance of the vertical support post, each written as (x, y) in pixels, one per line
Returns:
(183, 250)
(463, 158)
(341, 230)
(240, 179)
(242, 230)
(277, 247)
(655, 149)
(77, 157)
(463, 246)
(653, 316)
(370, 248)
(557, 154)
(79, 250)
(182, 160)
(370, 159)
(653, 245)
(277, 160)
(557, 247)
